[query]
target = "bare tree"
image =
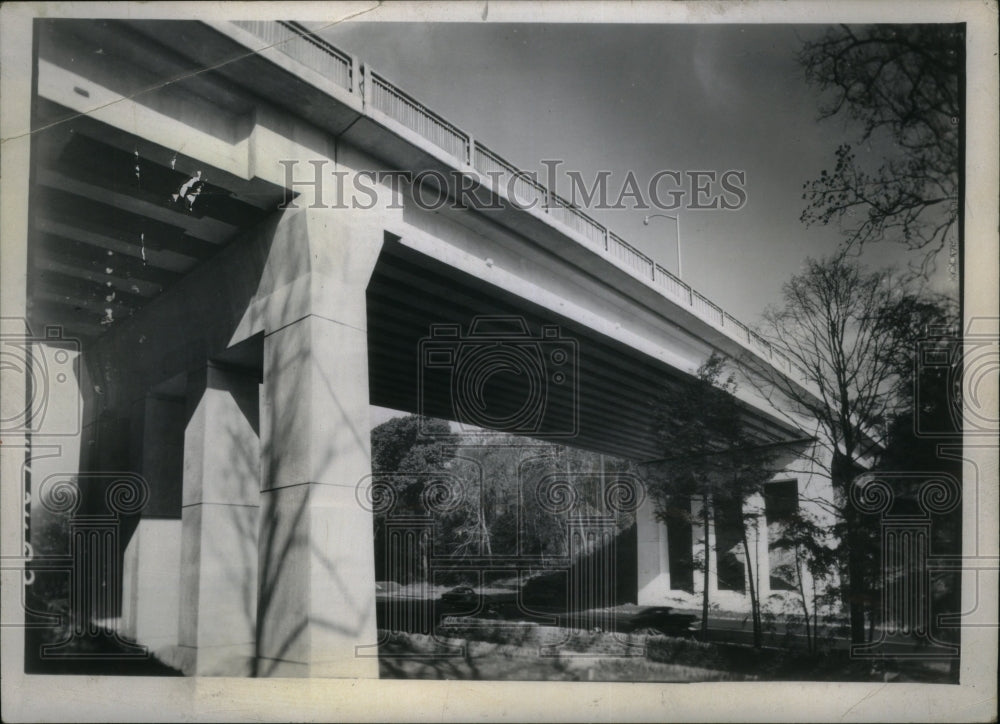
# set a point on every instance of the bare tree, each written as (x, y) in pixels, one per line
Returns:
(900, 180)
(840, 327)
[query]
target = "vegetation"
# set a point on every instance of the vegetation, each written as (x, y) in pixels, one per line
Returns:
(513, 653)
(710, 453)
(852, 336)
(501, 497)
(899, 181)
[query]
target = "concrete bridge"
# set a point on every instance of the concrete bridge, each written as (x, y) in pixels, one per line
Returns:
(230, 344)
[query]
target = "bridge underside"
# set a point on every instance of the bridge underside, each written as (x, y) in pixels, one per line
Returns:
(607, 404)
(107, 235)
(229, 352)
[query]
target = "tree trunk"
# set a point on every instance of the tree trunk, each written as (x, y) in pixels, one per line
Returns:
(754, 603)
(485, 531)
(810, 635)
(704, 584)
(842, 476)
(815, 616)
(855, 586)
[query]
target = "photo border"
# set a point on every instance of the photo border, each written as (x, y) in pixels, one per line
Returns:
(79, 698)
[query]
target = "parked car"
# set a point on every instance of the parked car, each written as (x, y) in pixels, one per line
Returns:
(460, 594)
(663, 619)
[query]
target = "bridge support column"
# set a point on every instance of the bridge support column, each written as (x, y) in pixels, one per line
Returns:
(152, 560)
(316, 602)
(653, 565)
(220, 523)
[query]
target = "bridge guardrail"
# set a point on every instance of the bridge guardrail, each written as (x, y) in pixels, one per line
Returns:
(526, 190)
(563, 211)
(737, 328)
(672, 285)
(312, 51)
(634, 259)
(404, 108)
(295, 41)
(706, 309)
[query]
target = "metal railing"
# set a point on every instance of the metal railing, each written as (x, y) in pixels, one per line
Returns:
(402, 107)
(563, 211)
(706, 309)
(527, 192)
(520, 188)
(672, 285)
(761, 344)
(295, 41)
(736, 328)
(630, 256)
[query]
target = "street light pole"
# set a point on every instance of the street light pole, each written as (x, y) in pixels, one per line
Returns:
(676, 220)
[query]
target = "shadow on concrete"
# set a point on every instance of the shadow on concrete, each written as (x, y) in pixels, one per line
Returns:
(99, 655)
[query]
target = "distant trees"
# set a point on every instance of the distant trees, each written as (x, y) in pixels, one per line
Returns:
(410, 459)
(900, 179)
(710, 453)
(411, 445)
(491, 495)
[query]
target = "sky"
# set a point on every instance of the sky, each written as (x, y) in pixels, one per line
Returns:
(641, 99)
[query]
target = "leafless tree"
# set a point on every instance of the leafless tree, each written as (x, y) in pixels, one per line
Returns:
(839, 326)
(900, 180)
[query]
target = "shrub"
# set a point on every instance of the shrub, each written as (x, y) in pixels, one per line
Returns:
(670, 650)
(494, 633)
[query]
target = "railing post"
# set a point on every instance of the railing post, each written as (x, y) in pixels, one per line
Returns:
(364, 86)
(470, 145)
(356, 76)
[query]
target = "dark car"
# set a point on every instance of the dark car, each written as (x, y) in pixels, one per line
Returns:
(460, 594)
(663, 620)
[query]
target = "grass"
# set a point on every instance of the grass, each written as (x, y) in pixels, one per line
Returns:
(470, 648)
(531, 654)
